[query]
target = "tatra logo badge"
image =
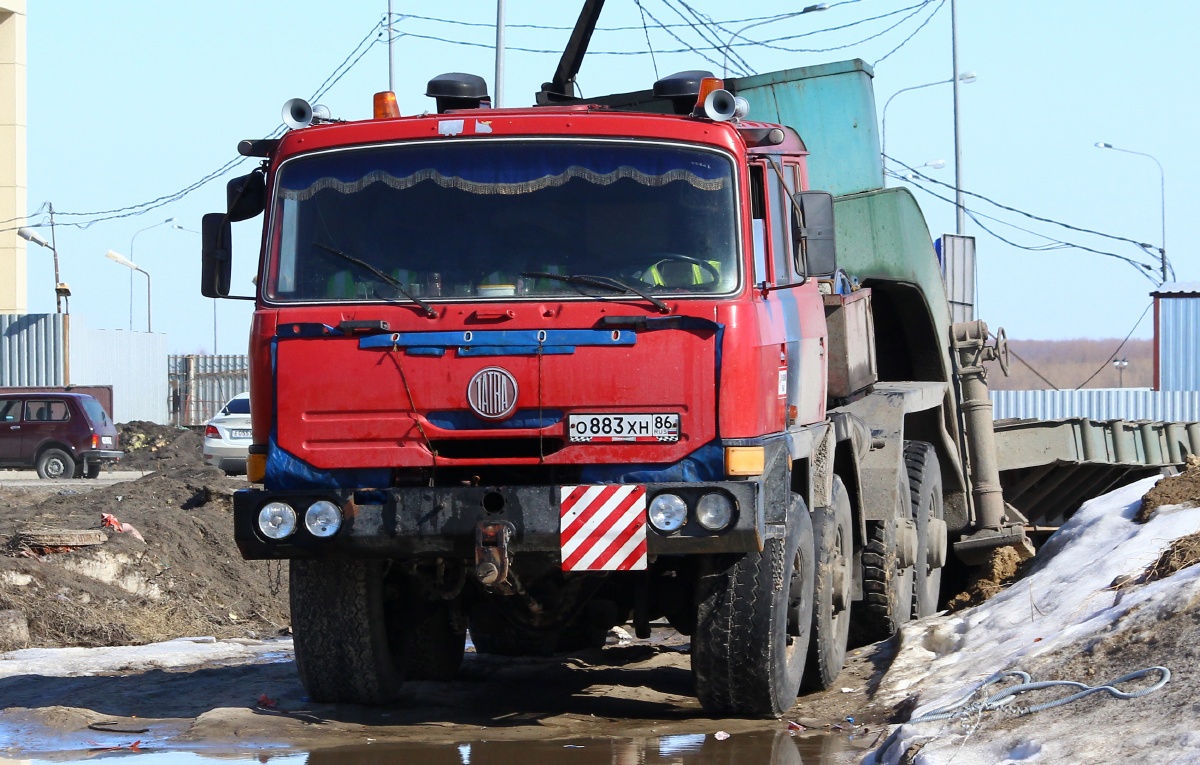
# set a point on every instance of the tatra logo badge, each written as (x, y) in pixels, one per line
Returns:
(492, 393)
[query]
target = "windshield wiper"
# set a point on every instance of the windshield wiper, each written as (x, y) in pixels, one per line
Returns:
(428, 309)
(607, 282)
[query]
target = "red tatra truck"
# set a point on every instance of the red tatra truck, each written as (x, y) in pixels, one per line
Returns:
(539, 372)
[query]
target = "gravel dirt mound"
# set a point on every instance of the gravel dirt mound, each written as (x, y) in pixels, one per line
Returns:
(1182, 489)
(187, 578)
(150, 446)
(989, 579)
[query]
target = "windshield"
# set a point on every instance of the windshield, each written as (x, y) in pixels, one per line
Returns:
(499, 219)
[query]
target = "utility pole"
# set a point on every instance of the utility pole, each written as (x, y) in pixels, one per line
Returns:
(960, 211)
(391, 62)
(499, 100)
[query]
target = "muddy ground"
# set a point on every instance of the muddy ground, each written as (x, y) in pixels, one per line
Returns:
(186, 578)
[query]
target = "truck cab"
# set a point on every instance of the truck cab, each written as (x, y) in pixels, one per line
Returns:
(540, 372)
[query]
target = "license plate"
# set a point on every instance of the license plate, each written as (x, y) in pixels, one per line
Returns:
(617, 428)
(106, 440)
(239, 433)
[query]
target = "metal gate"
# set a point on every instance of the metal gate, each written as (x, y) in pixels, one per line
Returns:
(201, 385)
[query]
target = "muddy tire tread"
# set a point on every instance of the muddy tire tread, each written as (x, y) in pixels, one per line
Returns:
(734, 637)
(340, 635)
(827, 649)
(924, 477)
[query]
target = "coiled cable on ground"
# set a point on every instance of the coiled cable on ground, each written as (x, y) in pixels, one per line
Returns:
(1003, 700)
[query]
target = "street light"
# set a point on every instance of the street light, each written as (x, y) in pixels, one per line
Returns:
(132, 239)
(60, 290)
(965, 77)
(933, 164)
(1120, 364)
(737, 34)
(117, 257)
(1162, 186)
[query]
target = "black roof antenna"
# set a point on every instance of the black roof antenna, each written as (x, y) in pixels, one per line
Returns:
(562, 88)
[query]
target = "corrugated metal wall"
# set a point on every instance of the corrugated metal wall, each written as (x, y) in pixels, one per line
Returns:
(131, 362)
(1179, 343)
(958, 271)
(32, 351)
(200, 385)
(1097, 404)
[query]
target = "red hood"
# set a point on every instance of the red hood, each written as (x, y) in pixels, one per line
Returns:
(384, 399)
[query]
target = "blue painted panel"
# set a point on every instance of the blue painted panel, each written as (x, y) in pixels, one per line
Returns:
(1179, 342)
(832, 107)
(500, 342)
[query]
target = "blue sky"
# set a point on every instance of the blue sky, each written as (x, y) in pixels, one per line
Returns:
(132, 101)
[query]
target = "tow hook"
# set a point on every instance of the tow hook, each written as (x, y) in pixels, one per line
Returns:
(491, 552)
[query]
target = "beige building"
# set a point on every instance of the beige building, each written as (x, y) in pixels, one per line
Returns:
(13, 293)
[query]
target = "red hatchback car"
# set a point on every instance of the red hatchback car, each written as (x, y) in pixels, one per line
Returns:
(61, 435)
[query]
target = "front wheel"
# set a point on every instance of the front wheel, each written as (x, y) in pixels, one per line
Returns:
(831, 602)
(346, 649)
(55, 463)
(754, 620)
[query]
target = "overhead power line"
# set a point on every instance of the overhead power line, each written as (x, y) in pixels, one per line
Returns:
(98, 216)
(913, 34)
(1118, 350)
(1080, 229)
(1061, 244)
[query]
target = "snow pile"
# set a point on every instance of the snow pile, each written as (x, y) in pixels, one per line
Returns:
(172, 654)
(1076, 616)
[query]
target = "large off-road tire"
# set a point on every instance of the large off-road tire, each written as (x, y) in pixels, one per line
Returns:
(346, 650)
(55, 463)
(834, 533)
(925, 487)
(435, 639)
(887, 601)
(754, 621)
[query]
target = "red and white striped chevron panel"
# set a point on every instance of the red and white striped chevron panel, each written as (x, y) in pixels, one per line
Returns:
(603, 528)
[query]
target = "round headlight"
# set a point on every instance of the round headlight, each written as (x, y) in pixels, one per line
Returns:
(668, 512)
(276, 520)
(323, 519)
(714, 511)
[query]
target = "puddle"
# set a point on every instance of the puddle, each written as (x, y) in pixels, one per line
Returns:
(756, 748)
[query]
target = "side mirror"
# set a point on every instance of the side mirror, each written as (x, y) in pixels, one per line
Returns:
(216, 256)
(246, 196)
(816, 252)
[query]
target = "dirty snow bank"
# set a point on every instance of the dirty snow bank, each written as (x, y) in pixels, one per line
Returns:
(1064, 621)
(172, 654)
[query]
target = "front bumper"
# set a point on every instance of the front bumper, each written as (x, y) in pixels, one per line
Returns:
(442, 521)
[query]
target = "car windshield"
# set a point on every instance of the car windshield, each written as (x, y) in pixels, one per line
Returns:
(238, 406)
(490, 219)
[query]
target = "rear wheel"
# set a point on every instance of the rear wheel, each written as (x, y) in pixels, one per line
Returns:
(887, 601)
(434, 640)
(754, 621)
(346, 651)
(831, 600)
(55, 463)
(925, 487)
(493, 633)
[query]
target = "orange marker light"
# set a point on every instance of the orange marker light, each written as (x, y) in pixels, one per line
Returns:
(707, 85)
(385, 105)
